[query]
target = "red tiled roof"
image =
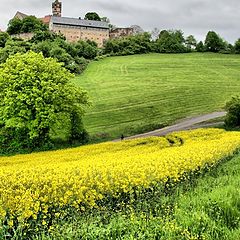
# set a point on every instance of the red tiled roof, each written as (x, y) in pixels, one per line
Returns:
(46, 19)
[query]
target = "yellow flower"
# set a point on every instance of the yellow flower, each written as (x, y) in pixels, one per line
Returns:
(31, 185)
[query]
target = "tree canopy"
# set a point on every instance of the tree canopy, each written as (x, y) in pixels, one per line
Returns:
(92, 16)
(26, 25)
(170, 41)
(137, 44)
(213, 42)
(75, 56)
(34, 92)
(191, 42)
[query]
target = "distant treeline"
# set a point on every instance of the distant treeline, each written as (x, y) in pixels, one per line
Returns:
(169, 41)
(75, 56)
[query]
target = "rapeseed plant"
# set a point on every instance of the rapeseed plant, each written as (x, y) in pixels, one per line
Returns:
(41, 186)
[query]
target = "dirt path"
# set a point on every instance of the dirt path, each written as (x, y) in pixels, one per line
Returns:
(189, 123)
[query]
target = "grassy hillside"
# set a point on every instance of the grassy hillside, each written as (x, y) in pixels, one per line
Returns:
(137, 93)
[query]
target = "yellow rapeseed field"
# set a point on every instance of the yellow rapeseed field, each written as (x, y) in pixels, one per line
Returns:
(46, 183)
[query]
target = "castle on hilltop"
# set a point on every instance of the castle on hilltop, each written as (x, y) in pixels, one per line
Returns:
(75, 29)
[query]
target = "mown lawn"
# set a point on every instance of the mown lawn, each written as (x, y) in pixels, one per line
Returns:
(133, 94)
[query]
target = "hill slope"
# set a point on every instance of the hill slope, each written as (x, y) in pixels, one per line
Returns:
(138, 93)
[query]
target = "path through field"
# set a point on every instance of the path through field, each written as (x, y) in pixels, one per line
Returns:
(186, 124)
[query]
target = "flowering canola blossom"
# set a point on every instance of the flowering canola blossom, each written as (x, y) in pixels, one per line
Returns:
(36, 184)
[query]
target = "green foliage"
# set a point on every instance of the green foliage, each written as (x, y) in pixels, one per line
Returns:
(14, 26)
(77, 132)
(87, 49)
(214, 43)
(26, 25)
(42, 47)
(191, 42)
(12, 47)
(233, 112)
(34, 90)
(3, 39)
(200, 47)
(228, 49)
(46, 35)
(130, 45)
(73, 55)
(171, 42)
(92, 16)
(237, 46)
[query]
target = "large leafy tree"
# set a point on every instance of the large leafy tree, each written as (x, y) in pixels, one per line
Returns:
(92, 16)
(213, 42)
(34, 92)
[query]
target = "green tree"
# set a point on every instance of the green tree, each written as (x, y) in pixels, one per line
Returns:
(191, 42)
(237, 46)
(171, 41)
(32, 24)
(136, 44)
(92, 16)
(3, 39)
(33, 92)
(200, 47)
(14, 26)
(213, 42)
(233, 112)
(26, 25)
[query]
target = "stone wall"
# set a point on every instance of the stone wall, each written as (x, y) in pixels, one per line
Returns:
(74, 34)
(24, 36)
(121, 32)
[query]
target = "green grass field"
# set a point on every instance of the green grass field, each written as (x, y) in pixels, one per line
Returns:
(133, 94)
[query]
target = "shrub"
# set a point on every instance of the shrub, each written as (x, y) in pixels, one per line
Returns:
(233, 112)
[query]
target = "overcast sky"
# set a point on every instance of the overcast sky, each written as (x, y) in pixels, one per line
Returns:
(192, 16)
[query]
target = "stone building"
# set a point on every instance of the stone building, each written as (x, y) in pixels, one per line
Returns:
(75, 29)
(121, 32)
(20, 15)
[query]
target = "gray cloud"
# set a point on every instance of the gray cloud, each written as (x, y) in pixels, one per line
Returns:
(192, 16)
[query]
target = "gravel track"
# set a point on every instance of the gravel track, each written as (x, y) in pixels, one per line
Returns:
(185, 124)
